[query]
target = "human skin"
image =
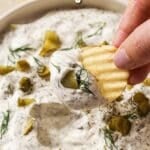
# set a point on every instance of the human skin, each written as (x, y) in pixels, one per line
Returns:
(133, 41)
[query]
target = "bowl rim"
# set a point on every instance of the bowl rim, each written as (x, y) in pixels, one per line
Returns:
(24, 3)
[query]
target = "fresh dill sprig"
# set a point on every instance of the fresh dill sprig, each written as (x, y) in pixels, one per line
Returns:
(5, 122)
(14, 53)
(57, 67)
(21, 49)
(131, 115)
(109, 141)
(38, 62)
(99, 29)
(10, 89)
(79, 42)
(66, 49)
(83, 80)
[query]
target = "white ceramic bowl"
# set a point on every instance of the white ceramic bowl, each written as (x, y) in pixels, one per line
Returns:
(33, 8)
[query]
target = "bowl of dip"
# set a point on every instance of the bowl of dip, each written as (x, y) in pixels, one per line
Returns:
(48, 101)
(33, 8)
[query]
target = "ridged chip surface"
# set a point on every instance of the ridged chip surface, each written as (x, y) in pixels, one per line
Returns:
(99, 62)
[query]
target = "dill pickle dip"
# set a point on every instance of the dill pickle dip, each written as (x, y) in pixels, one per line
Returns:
(48, 101)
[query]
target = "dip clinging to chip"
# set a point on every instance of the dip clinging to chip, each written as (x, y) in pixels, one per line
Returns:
(99, 62)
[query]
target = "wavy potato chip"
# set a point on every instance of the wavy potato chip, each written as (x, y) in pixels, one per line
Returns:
(99, 62)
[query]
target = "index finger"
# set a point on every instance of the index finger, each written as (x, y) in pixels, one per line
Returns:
(136, 13)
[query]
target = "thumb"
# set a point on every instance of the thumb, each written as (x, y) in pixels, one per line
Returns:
(134, 52)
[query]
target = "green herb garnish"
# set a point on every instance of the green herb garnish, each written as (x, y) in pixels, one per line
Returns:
(14, 53)
(38, 62)
(109, 141)
(42, 70)
(83, 80)
(99, 29)
(79, 42)
(10, 89)
(21, 49)
(131, 115)
(57, 67)
(4, 124)
(66, 49)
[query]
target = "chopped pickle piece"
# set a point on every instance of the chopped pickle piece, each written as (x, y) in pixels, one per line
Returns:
(6, 69)
(25, 84)
(120, 124)
(51, 43)
(22, 102)
(147, 82)
(23, 65)
(143, 109)
(143, 106)
(70, 81)
(28, 126)
(140, 98)
(103, 43)
(120, 98)
(43, 72)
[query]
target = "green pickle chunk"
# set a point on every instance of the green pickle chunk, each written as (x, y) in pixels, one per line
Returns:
(51, 43)
(143, 109)
(6, 69)
(70, 81)
(23, 65)
(43, 72)
(25, 84)
(120, 124)
(143, 106)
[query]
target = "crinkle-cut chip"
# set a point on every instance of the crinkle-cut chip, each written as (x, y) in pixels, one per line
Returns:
(28, 126)
(99, 62)
(51, 43)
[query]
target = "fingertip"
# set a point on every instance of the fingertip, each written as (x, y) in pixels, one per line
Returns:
(138, 75)
(120, 37)
(122, 60)
(135, 79)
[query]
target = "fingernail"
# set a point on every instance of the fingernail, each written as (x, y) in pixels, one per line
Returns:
(121, 59)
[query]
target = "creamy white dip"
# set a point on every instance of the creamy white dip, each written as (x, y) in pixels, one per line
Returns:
(62, 123)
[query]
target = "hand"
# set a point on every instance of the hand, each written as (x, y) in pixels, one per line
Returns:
(133, 40)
